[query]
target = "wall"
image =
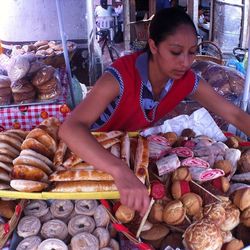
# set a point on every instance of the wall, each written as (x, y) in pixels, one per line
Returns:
(31, 20)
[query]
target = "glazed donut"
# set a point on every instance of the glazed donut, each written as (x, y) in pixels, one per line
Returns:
(28, 226)
(86, 207)
(46, 217)
(114, 244)
(102, 235)
(54, 229)
(101, 217)
(36, 208)
(84, 241)
(29, 243)
(61, 209)
(52, 244)
(81, 223)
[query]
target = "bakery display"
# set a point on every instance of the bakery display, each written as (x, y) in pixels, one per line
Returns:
(5, 90)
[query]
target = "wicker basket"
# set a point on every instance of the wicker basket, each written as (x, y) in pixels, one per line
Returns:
(209, 51)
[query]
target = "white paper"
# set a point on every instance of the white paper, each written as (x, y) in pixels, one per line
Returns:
(200, 121)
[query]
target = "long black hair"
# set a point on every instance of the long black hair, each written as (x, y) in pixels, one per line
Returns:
(165, 22)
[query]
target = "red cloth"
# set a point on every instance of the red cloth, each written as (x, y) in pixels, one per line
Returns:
(129, 114)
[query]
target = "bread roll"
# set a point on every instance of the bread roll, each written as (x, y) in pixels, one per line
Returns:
(43, 75)
(171, 137)
(4, 176)
(174, 212)
(124, 214)
(245, 217)
(179, 188)
(84, 186)
(28, 185)
(7, 208)
(80, 175)
(51, 126)
(242, 198)
(181, 174)
(192, 202)
(234, 244)
(156, 213)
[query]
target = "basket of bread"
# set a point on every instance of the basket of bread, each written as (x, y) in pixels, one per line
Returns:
(49, 52)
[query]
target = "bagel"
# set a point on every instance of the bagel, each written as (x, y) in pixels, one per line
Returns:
(84, 241)
(52, 244)
(43, 137)
(54, 229)
(102, 235)
(12, 151)
(36, 208)
(28, 185)
(61, 209)
(28, 173)
(86, 207)
(29, 243)
(12, 141)
(32, 161)
(38, 156)
(33, 144)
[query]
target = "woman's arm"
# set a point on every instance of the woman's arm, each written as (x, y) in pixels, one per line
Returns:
(209, 99)
(75, 132)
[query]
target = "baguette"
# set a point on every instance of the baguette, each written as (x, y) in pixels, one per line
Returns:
(141, 159)
(84, 186)
(109, 135)
(125, 149)
(80, 175)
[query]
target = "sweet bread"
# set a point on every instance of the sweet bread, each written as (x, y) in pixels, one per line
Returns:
(52, 244)
(61, 209)
(86, 207)
(29, 243)
(36, 208)
(54, 229)
(84, 241)
(81, 223)
(102, 235)
(28, 226)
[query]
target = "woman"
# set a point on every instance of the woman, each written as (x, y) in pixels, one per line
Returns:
(139, 89)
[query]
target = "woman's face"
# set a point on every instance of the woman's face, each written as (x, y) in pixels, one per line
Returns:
(175, 55)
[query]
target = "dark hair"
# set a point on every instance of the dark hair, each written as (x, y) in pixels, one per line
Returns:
(165, 22)
(104, 4)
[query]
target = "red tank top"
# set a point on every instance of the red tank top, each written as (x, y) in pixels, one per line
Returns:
(129, 114)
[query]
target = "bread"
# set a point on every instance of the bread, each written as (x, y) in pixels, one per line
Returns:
(224, 165)
(51, 126)
(221, 183)
(156, 213)
(33, 144)
(107, 135)
(174, 213)
(44, 138)
(10, 140)
(171, 137)
(215, 213)
(60, 153)
(245, 217)
(179, 188)
(43, 75)
(5, 90)
(28, 185)
(4, 176)
(203, 235)
(241, 198)
(84, 186)
(188, 132)
(28, 173)
(23, 91)
(181, 174)
(192, 202)
(234, 244)
(80, 175)
(232, 216)
(19, 132)
(7, 208)
(32, 161)
(124, 214)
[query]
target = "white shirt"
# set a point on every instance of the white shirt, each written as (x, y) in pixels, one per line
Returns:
(100, 11)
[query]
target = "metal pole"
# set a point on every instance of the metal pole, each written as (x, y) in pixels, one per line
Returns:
(65, 50)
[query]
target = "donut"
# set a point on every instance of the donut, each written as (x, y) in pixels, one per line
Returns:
(102, 235)
(36, 208)
(86, 207)
(81, 223)
(29, 243)
(28, 226)
(101, 217)
(54, 229)
(84, 241)
(61, 209)
(46, 217)
(52, 244)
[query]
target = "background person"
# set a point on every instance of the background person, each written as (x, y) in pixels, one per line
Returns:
(139, 89)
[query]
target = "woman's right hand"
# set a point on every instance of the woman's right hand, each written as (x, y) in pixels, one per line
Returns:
(133, 193)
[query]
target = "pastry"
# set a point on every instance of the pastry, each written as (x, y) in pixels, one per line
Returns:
(23, 91)
(29, 243)
(54, 229)
(36, 208)
(101, 217)
(28, 226)
(203, 235)
(86, 207)
(61, 209)
(102, 235)
(84, 241)
(124, 214)
(81, 223)
(52, 244)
